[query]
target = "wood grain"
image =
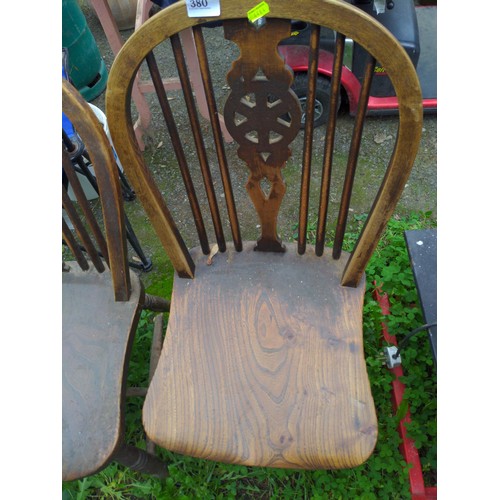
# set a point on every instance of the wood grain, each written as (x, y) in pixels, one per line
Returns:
(263, 364)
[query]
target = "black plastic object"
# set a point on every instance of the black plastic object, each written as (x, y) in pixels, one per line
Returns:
(401, 21)
(301, 33)
(422, 249)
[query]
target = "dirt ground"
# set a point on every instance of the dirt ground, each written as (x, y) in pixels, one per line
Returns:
(379, 136)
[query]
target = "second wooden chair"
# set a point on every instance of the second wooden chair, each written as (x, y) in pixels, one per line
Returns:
(101, 304)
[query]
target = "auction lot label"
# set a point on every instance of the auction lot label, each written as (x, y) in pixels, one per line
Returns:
(203, 8)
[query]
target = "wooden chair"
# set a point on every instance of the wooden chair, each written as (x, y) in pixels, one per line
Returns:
(263, 359)
(101, 304)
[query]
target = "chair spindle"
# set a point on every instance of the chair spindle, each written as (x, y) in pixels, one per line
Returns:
(352, 160)
(218, 139)
(308, 138)
(81, 231)
(84, 205)
(329, 144)
(178, 150)
(74, 246)
(199, 143)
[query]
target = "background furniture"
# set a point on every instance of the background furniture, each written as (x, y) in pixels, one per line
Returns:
(101, 304)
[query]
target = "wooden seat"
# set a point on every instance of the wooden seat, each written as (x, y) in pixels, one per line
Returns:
(95, 352)
(101, 305)
(274, 378)
(263, 359)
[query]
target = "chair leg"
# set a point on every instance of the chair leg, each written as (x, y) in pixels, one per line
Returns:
(156, 304)
(140, 461)
(156, 346)
(133, 392)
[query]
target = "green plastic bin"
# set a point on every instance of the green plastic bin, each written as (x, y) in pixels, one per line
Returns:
(86, 67)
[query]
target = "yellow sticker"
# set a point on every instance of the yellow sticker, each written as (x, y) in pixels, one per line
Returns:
(260, 10)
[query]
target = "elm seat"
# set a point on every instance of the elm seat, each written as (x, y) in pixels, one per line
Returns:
(263, 359)
(274, 377)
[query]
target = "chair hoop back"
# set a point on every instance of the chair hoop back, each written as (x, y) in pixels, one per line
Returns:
(337, 15)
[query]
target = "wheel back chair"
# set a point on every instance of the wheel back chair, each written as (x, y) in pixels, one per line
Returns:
(262, 362)
(101, 304)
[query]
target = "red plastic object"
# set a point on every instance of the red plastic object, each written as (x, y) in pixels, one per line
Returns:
(418, 489)
(297, 57)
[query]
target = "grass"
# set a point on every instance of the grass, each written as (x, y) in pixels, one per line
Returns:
(384, 475)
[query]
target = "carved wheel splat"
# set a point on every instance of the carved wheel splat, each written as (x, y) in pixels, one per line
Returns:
(260, 97)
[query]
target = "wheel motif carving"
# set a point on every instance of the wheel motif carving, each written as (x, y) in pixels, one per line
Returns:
(263, 119)
(263, 116)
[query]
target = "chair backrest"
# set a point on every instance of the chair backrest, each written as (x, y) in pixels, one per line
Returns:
(263, 115)
(86, 241)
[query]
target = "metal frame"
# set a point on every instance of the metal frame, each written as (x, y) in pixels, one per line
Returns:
(79, 162)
